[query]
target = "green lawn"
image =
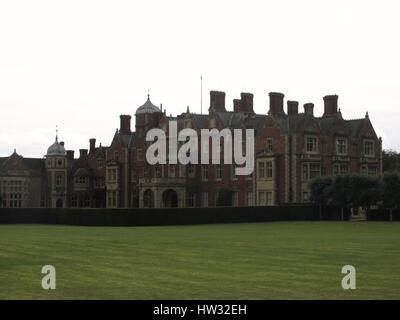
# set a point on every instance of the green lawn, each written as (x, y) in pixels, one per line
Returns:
(282, 260)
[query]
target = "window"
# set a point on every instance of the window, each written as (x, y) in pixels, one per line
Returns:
(311, 170)
(157, 171)
(82, 180)
(265, 198)
(341, 146)
(112, 199)
(172, 170)
(268, 198)
(261, 198)
(261, 170)
(218, 172)
(212, 123)
(269, 144)
(13, 193)
(368, 148)
(268, 170)
(42, 200)
(340, 169)
(74, 201)
(204, 172)
(249, 198)
(204, 197)
(306, 197)
(99, 162)
(112, 175)
(235, 198)
(311, 144)
(116, 155)
(191, 200)
(59, 180)
(370, 170)
(265, 169)
(98, 182)
(86, 202)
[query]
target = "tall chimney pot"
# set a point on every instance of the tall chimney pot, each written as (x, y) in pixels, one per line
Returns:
(276, 103)
(330, 105)
(217, 100)
(292, 107)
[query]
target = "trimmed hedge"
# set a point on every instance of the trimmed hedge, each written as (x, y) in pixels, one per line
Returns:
(383, 215)
(167, 216)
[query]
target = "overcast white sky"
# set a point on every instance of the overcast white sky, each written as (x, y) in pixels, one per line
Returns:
(80, 64)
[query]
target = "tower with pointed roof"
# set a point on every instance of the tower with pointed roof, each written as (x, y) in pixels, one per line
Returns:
(56, 172)
(147, 115)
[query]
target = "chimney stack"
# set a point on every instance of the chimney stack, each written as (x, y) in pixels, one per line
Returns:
(92, 143)
(70, 154)
(217, 100)
(237, 105)
(247, 102)
(330, 105)
(309, 108)
(125, 124)
(83, 153)
(292, 107)
(276, 103)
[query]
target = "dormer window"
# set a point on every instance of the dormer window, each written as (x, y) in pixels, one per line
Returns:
(311, 144)
(212, 123)
(269, 145)
(341, 146)
(99, 162)
(369, 148)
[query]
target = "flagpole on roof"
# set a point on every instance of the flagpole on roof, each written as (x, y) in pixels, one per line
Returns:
(201, 94)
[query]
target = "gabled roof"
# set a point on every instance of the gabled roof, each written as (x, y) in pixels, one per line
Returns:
(355, 125)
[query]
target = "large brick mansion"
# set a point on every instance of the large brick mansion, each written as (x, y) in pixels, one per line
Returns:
(291, 148)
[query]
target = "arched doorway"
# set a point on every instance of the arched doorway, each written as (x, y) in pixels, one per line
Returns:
(59, 203)
(169, 198)
(148, 199)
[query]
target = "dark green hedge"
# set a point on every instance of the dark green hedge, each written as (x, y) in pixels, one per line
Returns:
(167, 216)
(383, 215)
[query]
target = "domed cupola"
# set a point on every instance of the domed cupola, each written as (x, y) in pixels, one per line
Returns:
(56, 149)
(148, 107)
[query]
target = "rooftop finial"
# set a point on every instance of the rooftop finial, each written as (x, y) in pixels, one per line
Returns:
(56, 133)
(148, 94)
(366, 115)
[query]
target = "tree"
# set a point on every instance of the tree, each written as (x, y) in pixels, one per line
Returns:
(390, 160)
(365, 190)
(320, 189)
(391, 190)
(341, 192)
(345, 191)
